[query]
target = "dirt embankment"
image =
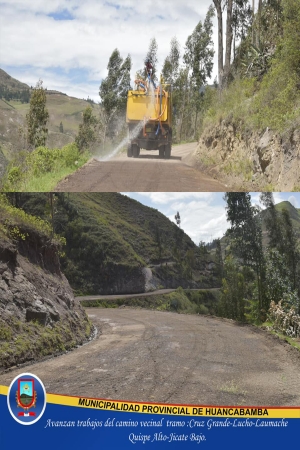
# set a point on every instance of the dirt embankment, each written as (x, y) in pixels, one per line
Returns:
(38, 313)
(247, 160)
(174, 358)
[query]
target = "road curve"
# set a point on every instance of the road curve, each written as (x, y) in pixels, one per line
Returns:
(159, 356)
(117, 296)
(142, 294)
(148, 173)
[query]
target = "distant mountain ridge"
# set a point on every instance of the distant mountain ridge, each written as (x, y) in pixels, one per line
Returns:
(10, 82)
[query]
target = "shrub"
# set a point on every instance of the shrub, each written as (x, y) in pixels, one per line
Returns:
(70, 154)
(36, 170)
(43, 160)
(288, 322)
(14, 175)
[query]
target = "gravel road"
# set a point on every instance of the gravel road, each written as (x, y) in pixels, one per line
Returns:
(143, 355)
(147, 173)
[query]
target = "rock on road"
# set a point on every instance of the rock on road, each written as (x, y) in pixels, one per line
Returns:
(148, 173)
(142, 355)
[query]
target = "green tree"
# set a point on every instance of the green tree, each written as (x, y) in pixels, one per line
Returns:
(283, 255)
(178, 237)
(290, 246)
(198, 58)
(224, 63)
(232, 300)
(177, 219)
(158, 241)
(219, 260)
(203, 248)
(190, 261)
(199, 50)
(37, 117)
(170, 68)
(278, 276)
(246, 233)
(272, 220)
(113, 93)
(87, 130)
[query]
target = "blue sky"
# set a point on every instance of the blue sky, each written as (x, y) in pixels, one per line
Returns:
(67, 43)
(203, 215)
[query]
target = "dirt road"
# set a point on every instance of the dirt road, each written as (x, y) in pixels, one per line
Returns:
(147, 173)
(116, 296)
(166, 357)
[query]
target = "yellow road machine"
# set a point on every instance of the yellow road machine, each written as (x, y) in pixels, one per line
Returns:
(149, 118)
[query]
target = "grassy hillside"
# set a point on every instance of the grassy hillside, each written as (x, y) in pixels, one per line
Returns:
(249, 136)
(112, 238)
(61, 107)
(11, 83)
(264, 91)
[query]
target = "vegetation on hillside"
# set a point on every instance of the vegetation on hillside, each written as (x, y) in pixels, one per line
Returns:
(183, 301)
(109, 236)
(262, 86)
(31, 341)
(41, 169)
(37, 146)
(15, 223)
(261, 280)
(12, 89)
(37, 167)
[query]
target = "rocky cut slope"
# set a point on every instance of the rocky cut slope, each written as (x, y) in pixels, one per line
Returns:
(250, 160)
(38, 313)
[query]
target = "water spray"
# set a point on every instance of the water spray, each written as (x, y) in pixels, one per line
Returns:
(134, 134)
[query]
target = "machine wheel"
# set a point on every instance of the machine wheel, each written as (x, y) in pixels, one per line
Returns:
(161, 151)
(167, 151)
(129, 151)
(135, 151)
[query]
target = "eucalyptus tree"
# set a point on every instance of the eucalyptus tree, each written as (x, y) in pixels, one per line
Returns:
(170, 68)
(246, 234)
(198, 59)
(37, 117)
(113, 93)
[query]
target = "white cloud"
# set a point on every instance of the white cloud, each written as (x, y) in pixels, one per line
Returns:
(203, 215)
(167, 198)
(30, 37)
(200, 220)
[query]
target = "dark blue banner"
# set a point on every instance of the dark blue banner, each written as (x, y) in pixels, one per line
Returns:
(70, 427)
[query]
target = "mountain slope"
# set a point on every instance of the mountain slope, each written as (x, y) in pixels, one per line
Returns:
(62, 109)
(117, 245)
(11, 83)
